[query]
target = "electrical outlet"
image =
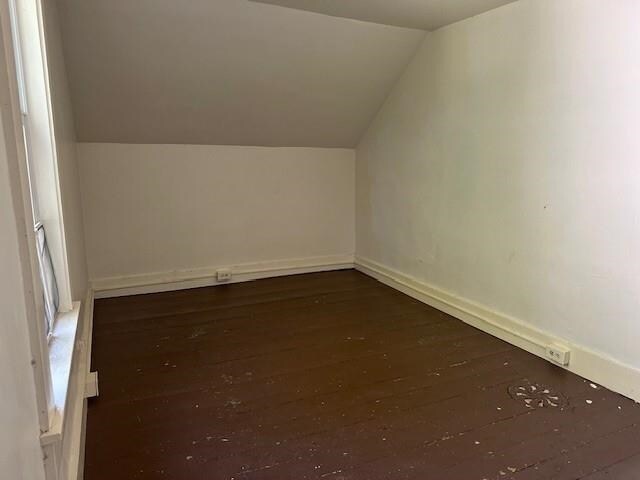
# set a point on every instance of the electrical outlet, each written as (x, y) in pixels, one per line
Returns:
(558, 354)
(223, 275)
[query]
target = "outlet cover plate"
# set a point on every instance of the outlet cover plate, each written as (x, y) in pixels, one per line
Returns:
(559, 354)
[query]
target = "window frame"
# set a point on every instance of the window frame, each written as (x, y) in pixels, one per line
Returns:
(34, 100)
(14, 15)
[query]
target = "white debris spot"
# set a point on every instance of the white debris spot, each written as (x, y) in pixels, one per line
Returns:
(197, 406)
(593, 385)
(589, 401)
(166, 364)
(197, 332)
(619, 407)
(499, 408)
(502, 473)
(506, 364)
(512, 469)
(477, 442)
(330, 473)
(459, 364)
(223, 439)
(189, 457)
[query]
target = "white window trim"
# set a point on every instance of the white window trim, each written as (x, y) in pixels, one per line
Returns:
(61, 355)
(52, 361)
(62, 267)
(33, 302)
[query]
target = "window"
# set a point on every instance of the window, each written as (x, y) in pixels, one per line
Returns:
(40, 153)
(53, 317)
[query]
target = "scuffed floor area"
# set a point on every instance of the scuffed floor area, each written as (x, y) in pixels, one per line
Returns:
(335, 376)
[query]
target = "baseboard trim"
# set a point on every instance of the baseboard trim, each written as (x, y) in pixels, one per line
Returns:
(70, 450)
(76, 472)
(595, 366)
(204, 277)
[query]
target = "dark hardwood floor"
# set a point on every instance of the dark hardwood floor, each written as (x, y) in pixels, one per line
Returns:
(335, 376)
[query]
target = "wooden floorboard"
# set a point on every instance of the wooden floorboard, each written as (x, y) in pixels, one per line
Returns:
(335, 376)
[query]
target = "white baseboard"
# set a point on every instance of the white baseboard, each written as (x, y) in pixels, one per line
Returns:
(204, 277)
(77, 431)
(595, 366)
(65, 448)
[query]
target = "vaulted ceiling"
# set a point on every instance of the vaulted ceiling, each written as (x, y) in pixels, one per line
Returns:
(423, 14)
(228, 72)
(232, 72)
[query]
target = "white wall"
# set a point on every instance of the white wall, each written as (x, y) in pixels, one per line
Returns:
(20, 453)
(66, 152)
(503, 168)
(160, 208)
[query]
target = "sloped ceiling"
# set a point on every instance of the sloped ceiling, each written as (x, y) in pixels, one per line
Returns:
(423, 14)
(226, 72)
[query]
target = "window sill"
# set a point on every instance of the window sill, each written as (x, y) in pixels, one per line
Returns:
(61, 356)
